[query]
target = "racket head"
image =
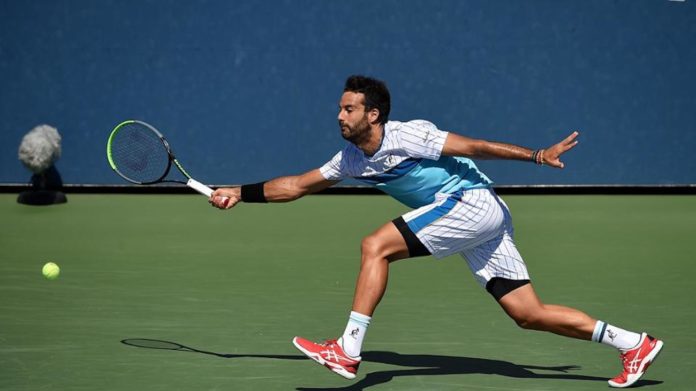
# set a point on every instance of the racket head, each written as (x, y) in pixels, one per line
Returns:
(138, 152)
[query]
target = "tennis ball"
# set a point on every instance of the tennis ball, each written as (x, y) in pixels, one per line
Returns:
(51, 271)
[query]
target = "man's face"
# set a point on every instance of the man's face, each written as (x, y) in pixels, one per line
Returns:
(352, 117)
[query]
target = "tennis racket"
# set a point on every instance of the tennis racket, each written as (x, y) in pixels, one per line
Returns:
(140, 154)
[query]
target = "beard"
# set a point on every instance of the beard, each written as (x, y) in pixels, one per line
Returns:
(357, 133)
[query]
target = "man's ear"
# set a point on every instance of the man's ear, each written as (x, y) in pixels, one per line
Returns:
(373, 116)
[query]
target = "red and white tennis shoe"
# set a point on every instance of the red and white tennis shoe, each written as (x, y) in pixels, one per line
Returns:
(636, 361)
(329, 354)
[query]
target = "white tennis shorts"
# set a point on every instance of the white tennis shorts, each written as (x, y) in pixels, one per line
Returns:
(477, 225)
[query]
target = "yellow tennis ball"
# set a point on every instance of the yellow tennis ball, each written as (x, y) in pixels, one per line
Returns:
(51, 271)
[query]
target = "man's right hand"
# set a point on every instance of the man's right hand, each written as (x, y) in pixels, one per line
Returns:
(226, 197)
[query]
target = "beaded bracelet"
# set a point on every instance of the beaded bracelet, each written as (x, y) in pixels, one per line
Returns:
(540, 157)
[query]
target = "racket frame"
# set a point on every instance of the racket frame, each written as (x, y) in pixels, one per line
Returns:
(192, 183)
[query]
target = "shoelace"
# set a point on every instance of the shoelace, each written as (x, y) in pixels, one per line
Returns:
(623, 375)
(330, 342)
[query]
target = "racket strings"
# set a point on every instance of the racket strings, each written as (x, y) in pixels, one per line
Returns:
(139, 153)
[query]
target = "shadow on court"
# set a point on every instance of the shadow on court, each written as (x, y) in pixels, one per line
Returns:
(418, 364)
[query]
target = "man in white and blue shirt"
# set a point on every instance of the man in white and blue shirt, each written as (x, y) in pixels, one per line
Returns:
(455, 211)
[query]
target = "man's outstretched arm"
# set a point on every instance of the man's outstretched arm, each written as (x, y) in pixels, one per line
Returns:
(282, 189)
(457, 145)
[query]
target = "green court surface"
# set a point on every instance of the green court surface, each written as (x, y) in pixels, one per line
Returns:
(141, 273)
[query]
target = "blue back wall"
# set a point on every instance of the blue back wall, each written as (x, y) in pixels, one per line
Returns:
(247, 90)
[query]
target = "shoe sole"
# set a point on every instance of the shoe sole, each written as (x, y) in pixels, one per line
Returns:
(632, 379)
(337, 369)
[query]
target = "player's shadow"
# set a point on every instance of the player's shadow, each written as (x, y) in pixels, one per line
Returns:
(430, 365)
(417, 364)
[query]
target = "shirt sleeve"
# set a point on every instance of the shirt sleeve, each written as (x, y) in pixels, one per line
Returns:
(422, 139)
(332, 170)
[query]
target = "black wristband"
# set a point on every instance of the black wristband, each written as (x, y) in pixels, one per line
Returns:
(253, 193)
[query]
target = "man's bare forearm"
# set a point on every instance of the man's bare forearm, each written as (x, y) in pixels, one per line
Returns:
(283, 189)
(291, 187)
(496, 150)
(457, 145)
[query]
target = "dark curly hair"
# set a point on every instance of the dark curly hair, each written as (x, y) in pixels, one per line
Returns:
(376, 94)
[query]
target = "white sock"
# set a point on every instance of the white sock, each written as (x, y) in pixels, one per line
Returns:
(614, 336)
(353, 336)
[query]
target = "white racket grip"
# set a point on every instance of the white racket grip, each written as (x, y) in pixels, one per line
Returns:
(199, 187)
(203, 189)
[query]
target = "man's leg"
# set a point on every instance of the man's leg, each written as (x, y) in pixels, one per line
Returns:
(378, 250)
(525, 308)
(495, 261)
(637, 350)
(387, 244)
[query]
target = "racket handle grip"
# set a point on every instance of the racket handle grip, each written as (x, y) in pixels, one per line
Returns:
(201, 188)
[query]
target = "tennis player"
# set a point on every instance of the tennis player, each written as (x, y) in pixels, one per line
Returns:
(455, 211)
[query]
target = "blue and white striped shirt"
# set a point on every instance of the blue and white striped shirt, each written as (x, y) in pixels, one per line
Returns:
(408, 165)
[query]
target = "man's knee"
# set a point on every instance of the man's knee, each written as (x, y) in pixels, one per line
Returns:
(529, 318)
(372, 248)
(519, 301)
(527, 321)
(384, 244)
